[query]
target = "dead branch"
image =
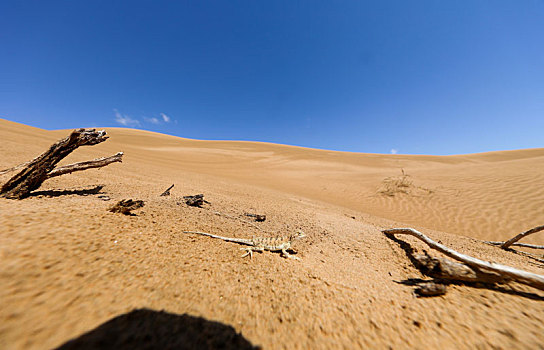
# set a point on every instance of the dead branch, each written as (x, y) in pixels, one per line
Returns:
(90, 164)
(257, 217)
(528, 278)
(167, 191)
(39, 169)
(520, 236)
(195, 201)
(447, 269)
(125, 206)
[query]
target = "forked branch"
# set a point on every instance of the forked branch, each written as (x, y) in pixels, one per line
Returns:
(520, 236)
(41, 168)
(525, 277)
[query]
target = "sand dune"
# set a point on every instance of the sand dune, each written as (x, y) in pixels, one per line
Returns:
(68, 265)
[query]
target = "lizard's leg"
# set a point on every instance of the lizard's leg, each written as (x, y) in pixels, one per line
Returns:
(289, 256)
(250, 250)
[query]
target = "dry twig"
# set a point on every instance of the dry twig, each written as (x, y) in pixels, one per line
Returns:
(525, 277)
(257, 217)
(167, 191)
(125, 206)
(195, 201)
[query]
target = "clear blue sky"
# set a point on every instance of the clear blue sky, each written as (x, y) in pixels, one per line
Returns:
(418, 77)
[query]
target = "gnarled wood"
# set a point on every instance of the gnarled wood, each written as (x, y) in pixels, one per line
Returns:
(447, 269)
(195, 201)
(42, 167)
(525, 277)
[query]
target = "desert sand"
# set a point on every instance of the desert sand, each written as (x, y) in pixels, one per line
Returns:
(72, 271)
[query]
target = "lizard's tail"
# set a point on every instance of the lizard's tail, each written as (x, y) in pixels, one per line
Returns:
(228, 239)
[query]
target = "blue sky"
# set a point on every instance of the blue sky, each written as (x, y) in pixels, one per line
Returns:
(415, 77)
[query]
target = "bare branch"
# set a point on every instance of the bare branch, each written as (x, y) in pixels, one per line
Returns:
(528, 278)
(37, 170)
(167, 191)
(521, 235)
(90, 164)
(195, 201)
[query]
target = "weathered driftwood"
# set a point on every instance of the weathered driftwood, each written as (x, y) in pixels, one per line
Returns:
(447, 269)
(43, 167)
(125, 206)
(195, 201)
(167, 192)
(525, 277)
(257, 217)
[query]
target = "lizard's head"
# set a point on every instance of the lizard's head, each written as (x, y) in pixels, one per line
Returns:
(297, 235)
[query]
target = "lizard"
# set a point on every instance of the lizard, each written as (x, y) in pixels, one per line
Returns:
(273, 244)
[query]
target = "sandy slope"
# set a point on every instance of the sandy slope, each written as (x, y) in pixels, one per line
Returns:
(68, 266)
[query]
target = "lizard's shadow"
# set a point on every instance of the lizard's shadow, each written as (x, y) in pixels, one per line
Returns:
(150, 329)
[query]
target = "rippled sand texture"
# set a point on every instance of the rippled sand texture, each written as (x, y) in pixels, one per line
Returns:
(68, 266)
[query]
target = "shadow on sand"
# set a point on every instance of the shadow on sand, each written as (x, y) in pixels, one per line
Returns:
(58, 193)
(149, 329)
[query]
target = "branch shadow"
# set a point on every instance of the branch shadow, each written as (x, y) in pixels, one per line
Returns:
(58, 193)
(409, 250)
(142, 329)
(534, 260)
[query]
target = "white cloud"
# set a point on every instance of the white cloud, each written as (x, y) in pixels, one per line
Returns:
(152, 120)
(165, 118)
(125, 120)
(394, 151)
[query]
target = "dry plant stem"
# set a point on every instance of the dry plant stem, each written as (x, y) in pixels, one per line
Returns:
(36, 172)
(95, 163)
(521, 235)
(528, 278)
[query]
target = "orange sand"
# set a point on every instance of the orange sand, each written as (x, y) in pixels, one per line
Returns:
(68, 266)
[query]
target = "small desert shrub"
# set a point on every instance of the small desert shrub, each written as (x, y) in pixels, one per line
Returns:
(396, 184)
